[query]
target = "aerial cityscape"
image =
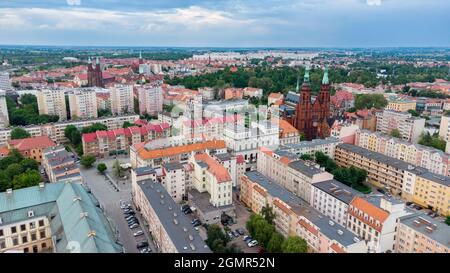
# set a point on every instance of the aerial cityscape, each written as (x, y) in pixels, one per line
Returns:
(224, 127)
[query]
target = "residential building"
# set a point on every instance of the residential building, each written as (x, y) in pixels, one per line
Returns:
(83, 104)
(444, 131)
(332, 198)
(4, 117)
(208, 128)
(122, 100)
(410, 127)
(60, 165)
(5, 82)
(118, 141)
(344, 131)
(326, 146)
(142, 155)
(31, 147)
(150, 99)
(275, 98)
(288, 133)
(420, 233)
(401, 104)
(432, 159)
(57, 218)
(52, 102)
(174, 181)
(293, 217)
(374, 219)
(208, 93)
(234, 164)
(170, 228)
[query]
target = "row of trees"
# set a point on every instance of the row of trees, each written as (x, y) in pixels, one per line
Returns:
(26, 112)
(217, 240)
(352, 176)
(261, 228)
(17, 172)
(368, 101)
(73, 134)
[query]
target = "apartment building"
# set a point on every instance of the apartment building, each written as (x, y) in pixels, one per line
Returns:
(444, 131)
(54, 218)
(426, 157)
(143, 154)
(374, 219)
(170, 228)
(118, 141)
(174, 181)
(4, 117)
(419, 233)
(150, 99)
(414, 184)
(31, 147)
(295, 217)
(235, 165)
(122, 100)
(409, 127)
(52, 102)
(208, 128)
(5, 82)
(60, 165)
(288, 133)
(83, 104)
(332, 198)
(326, 146)
(401, 104)
(55, 131)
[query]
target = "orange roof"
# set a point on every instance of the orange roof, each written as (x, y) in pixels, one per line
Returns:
(308, 227)
(286, 128)
(276, 96)
(259, 189)
(285, 160)
(266, 150)
(4, 151)
(171, 151)
(372, 210)
(218, 170)
(282, 206)
(337, 248)
(25, 144)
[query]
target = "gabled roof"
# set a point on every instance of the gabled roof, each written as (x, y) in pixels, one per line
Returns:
(217, 169)
(40, 142)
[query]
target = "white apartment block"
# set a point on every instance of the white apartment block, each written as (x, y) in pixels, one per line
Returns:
(174, 180)
(52, 102)
(150, 100)
(326, 146)
(332, 198)
(122, 101)
(83, 104)
(5, 82)
(444, 131)
(4, 118)
(410, 127)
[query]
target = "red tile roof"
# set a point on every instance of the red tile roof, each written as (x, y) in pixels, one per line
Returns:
(372, 211)
(308, 227)
(218, 170)
(40, 142)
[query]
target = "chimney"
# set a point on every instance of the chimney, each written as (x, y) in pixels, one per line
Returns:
(9, 191)
(41, 185)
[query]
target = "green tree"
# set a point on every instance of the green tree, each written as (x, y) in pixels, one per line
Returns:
(127, 124)
(101, 167)
(72, 134)
(87, 160)
(118, 171)
(275, 244)
(434, 141)
(302, 136)
(447, 220)
(26, 179)
(13, 170)
(395, 133)
(413, 112)
(294, 244)
(94, 128)
(29, 164)
(306, 157)
(368, 101)
(18, 133)
(268, 214)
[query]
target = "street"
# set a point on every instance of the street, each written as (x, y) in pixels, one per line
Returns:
(110, 199)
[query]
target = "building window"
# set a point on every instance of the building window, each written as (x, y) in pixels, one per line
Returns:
(24, 239)
(2, 244)
(13, 229)
(25, 250)
(35, 249)
(1, 232)
(15, 241)
(44, 245)
(32, 224)
(23, 227)
(33, 237)
(42, 234)
(41, 223)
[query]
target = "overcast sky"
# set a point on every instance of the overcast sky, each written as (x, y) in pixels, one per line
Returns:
(228, 23)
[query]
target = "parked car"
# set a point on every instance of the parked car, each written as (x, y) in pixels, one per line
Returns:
(146, 250)
(184, 207)
(138, 233)
(241, 231)
(125, 206)
(195, 220)
(133, 226)
(230, 235)
(187, 211)
(235, 234)
(247, 238)
(252, 243)
(196, 224)
(133, 221)
(142, 244)
(128, 217)
(381, 191)
(129, 213)
(196, 228)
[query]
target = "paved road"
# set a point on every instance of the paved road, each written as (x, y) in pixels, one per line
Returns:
(110, 199)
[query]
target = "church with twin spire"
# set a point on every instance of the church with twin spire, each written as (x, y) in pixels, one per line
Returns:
(309, 114)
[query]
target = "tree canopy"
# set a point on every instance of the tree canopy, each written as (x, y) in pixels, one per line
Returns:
(18, 172)
(87, 160)
(434, 141)
(368, 101)
(18, 133)
(26, 112)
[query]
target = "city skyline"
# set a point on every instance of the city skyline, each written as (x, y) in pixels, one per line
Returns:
(228, 23)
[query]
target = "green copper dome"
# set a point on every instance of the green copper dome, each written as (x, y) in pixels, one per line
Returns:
(306, 78)
(325, 76)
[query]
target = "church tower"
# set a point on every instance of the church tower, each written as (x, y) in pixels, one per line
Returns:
(303, 117)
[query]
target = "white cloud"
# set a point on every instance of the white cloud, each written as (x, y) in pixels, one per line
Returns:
(73, 2)
(374, 2)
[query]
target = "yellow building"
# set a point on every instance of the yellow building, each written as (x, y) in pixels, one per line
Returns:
(401, 105)
(432, 192)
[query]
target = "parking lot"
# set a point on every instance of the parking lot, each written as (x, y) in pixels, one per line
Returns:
(110, 199)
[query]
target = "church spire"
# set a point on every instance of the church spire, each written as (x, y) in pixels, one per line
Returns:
(89, 60)
(140, 54)
(97, 61)
(306, 78)
(298, 84)
(325, 79)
